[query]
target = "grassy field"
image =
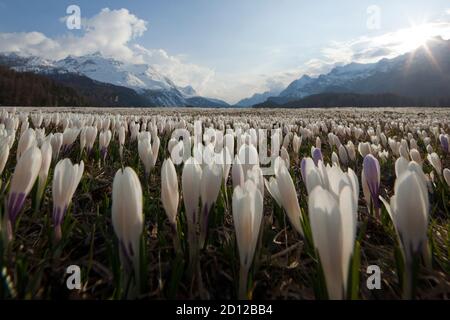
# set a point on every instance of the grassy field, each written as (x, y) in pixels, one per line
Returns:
(286, 264)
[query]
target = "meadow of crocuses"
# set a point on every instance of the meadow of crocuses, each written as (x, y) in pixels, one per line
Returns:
(225, 203)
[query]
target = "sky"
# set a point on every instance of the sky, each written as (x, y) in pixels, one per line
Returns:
(227, 49)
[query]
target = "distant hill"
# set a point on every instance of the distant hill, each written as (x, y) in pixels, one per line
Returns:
(68, 89)
(199, 102)
(28, 89)
(116, 83)
(335, 100)
(257, 98)
(99, 93)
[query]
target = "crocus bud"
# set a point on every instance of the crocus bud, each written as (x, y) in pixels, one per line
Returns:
(333, 226)
(4, 153)
(91, 135)
(409, 209)
(314, 175)
(103, 140)
(237, 173)
(351, 150)
(227, 159)
(169, 190)
(401, 164)
(343, 155)
(288, 197)
(209, 190)
(23, 179)
(190, 180)
(127, 217)
(66, 178)
(256, 176)
(229, 143)
(56, 141)
(403, 150)
(316, 154)
(46, 151)
(370, 179)
(284, 155)
(415, 156)
(443, 138)
(82, 139)
(435, 161)
(447, 176)
(364, 148)
(248, 157)
(272, 187)
(296, 144)
(27, 140)
(121, 141)
(70, 135)
(335, 159)
(247, 217)
(148, 153)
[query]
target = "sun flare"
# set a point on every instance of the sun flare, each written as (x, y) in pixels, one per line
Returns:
(416, 36)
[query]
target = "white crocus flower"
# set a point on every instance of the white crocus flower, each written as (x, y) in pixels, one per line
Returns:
(435, 161)
(333, 226)
(247, 217)
(127, 217)
(46, 151)
(409, 211)
(169, 191)
(23, 179)
(66, 178)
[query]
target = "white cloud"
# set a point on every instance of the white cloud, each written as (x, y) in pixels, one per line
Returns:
(113, 32)
(367, 49)
(110, 32)
(175, 68)
(33, 43)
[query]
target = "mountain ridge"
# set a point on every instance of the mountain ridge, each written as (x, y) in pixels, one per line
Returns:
(421, 74)
(145, 80)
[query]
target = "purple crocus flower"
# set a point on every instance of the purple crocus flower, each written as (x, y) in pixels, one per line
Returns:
(24, 176)
(443, 138)
(14, 205)
(66, 178)
(317, 155)
(371, 171)
(303, 169)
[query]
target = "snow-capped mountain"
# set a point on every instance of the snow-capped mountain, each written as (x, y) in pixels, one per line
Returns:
(188, 91)
(156, 88)
(27, 63)
(423, 72)
(135, 76)
(337, 77)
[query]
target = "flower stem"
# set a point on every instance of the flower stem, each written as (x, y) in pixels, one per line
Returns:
(243, 280)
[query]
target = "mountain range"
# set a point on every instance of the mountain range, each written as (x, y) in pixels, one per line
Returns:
(148, 87)
(257, 98)
(420, 77)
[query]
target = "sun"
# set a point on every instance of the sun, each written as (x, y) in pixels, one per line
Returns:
(414, 37)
